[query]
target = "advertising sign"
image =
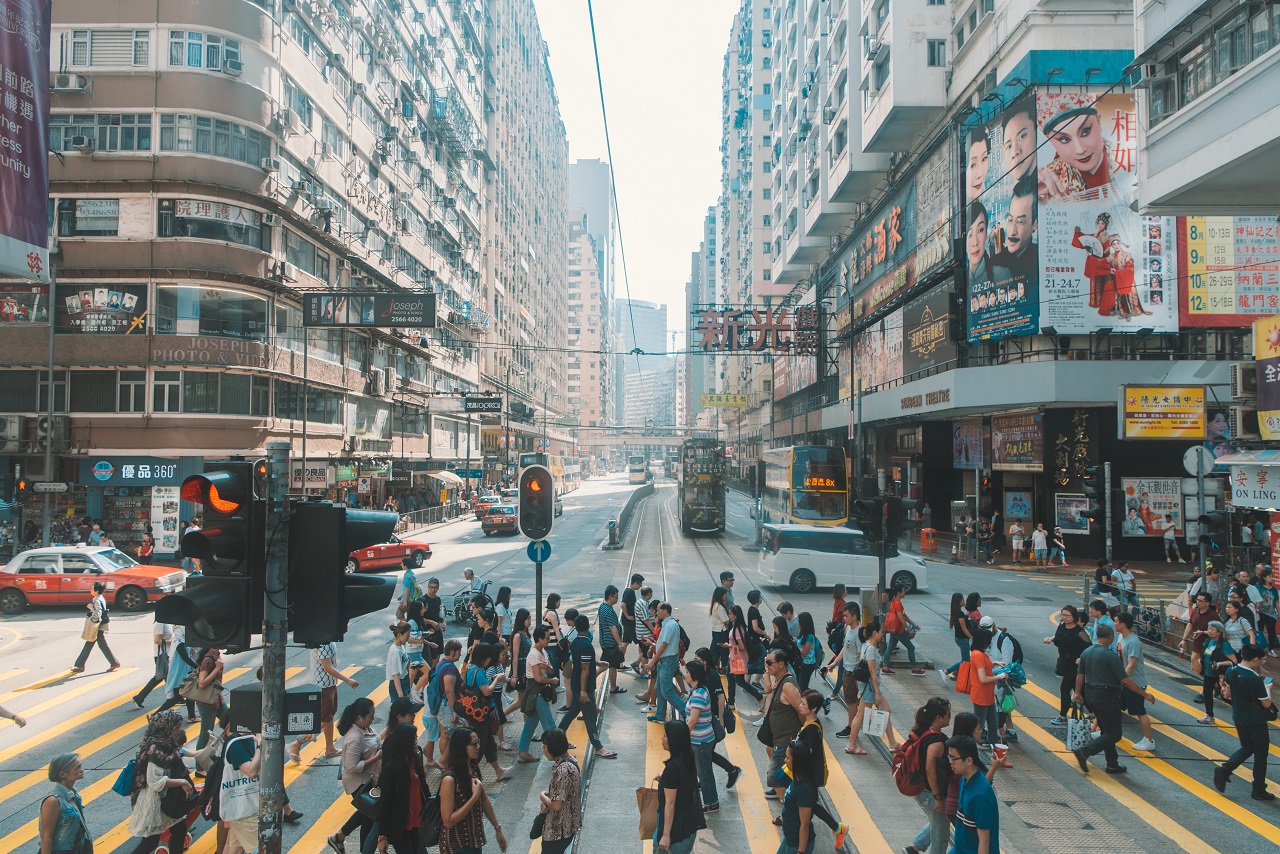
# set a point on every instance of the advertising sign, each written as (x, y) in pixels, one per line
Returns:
(164, 517)
(24, 139)
(108, 309)
(129, 471)
(966, 444)
(1255, 486)
(925, 340)
(1266, 349)
(1067, 508)
(732, 401)
(1231, 269)
(1017, 504)
(877, 352)
(1163, 412)
(328, 308)
(482, 403)
(1017, 442)
(1146, 502)
(1050, 238)
(318, 474)
(20, 304)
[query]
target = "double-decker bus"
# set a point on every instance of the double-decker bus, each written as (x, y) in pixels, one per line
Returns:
(805, 484)
(553, 463)
(703, 474)
(636, 469)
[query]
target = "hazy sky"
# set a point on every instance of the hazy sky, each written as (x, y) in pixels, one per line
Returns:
(661, 62)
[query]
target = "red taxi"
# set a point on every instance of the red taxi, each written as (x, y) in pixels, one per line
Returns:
(65, 575)
(389, 554)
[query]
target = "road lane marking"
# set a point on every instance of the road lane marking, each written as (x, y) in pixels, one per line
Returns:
(9, 674)
(654, 758)
(852, 810)
(1123, 795)
(35, 686)
(757, 819)
(1196, 713)
(1183, 781)
(17, 636)
(75, 692)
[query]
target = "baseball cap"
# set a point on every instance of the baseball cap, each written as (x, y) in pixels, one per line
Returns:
(403, 706)
(987, 622)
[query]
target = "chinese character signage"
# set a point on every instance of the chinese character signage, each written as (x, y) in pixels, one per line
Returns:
(773, 329)
(370, 310)
(1231, 268)
(198, 209)
(1163, 412)
(104, 309)
(128, 471)
(1266, 349)
(1051, 240)
(23, 304)
(318, 474)
(24, 139)
(926, 342)
(733, 401)
(1255, 486)
(1017, 442)
(966, 444)
(1146, 502)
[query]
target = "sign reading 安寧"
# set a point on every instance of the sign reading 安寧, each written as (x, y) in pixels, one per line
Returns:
(128, 471)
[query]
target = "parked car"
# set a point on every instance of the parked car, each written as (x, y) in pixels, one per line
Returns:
(501, 517)
(65, 575)
(559, 507)
(806, 557)
(482, 505)
(509, 493)
(389, 554)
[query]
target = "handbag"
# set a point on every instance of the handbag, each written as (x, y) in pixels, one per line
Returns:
(717, 727)
(89, 633)
(472, 705)
(365, 799)
(877, 722)
(207, 755)
(539, 820)
(765, 733)
(1197, 663)
(548, 692)
(731, 722)
(123, 785)
(176, 803)
(862, 671)
(647, 803)
(238, 792)
(1078, 734)
(964, 676)
(210, 695)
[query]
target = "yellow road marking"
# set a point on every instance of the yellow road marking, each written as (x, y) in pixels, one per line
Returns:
(85, 750)
(1122, 794)
(75, 692)
(757, 819)
(1195, 690)
(1196, 713)
(35, 686)
(654, 757)
(1183, 781)
(17, 636)
(9, 674)
(852, 810)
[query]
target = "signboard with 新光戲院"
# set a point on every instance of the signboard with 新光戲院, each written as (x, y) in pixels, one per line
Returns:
(1163, 412)
(346, 308)
(1255, 487)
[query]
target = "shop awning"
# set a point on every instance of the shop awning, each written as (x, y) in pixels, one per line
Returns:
(446, 477)
(1249, 458)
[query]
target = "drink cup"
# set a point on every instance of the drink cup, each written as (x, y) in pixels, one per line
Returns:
(999, 751)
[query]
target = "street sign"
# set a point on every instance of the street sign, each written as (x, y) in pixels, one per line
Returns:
(49, 486)
(538, 550)
(475, 474)
(482, 403)
(1189, 460)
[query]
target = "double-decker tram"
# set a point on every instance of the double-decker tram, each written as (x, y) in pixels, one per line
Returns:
(703, 476)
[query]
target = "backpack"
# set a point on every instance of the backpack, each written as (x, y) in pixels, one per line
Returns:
(907, 765)
(964, 676)
(818, 653)
(835, 637)
(209, 800)
(684, 642)
(1017, 647)
(435, 688)
(415, 592)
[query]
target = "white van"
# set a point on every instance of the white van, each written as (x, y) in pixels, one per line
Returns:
(806, 557)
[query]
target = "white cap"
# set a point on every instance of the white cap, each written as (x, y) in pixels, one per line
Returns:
(987, 622)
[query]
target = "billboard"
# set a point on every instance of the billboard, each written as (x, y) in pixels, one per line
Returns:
(877, 352)
(329, 308)
(1231, 269)
(24, 139)
(966, 444)
(1146, 501)
(1050, 238)
(1017, 442)
(1163, 412)
(104, 309)
(926, 342)
(1266, 349)
(23, 304)
(1067, 510)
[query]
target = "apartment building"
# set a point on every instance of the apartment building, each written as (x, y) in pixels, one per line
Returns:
(702, 368)
(212, 162)
(589, 380)
(643, 325)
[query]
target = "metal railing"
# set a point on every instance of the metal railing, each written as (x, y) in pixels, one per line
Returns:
(431, 516)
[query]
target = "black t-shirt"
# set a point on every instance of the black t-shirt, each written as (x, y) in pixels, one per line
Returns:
(432, 608)
(1247, 691)
(754, 618)
(1102, 575)
(629, 607)
(583, 654)
(688, 819)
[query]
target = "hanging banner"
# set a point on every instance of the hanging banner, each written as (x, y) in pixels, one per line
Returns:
(1163, 412)
(1146, 503)
(966, 444)
(24, 139)
(1231, 269)
(1266, 350)
(1017, 442)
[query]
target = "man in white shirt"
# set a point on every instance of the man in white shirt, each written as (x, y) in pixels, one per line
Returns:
(1126, 586)
(1040, 546)
(847, 659)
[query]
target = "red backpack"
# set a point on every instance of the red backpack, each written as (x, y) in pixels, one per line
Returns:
(908, 762)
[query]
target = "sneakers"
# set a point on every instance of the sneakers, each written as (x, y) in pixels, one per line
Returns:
(734, 773)
(136, 702)
(844, 733)
(1081, 760)
(1264, 795)
(1145, 744)
(770, 794)
(1115, 769)
(1058, 721)
(842, 830)
(917, 671)
(1220, 778)
(1207, 719)
(710, 808)
(77, 670)
(1198, 700)
(888, 671)
(654, 719)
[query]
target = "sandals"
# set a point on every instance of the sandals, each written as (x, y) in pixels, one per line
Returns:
(855, 751)
(618, 690)
(606, 754)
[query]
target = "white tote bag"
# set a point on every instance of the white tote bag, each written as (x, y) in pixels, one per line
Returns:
(877, 723)
(1078, 730)
(238, 795)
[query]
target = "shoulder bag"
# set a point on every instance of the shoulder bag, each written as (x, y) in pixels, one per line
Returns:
(89, 633)
(210, 695)
(365, 799)
(238, 792)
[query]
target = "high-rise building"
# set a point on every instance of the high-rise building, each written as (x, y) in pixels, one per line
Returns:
(591, 194)
(703, 368)
(590, 376)
(528, 222)
(209, 169)
(642, 325)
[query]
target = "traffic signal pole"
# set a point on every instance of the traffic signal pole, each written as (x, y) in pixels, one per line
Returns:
(275, 633)
(1106, 479)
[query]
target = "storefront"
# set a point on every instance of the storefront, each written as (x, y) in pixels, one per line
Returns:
(134, 496)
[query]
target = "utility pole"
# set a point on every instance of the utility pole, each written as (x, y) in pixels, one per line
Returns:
(1202, 547)
(275, 632)
(46, 536)
(468, 473)
(1106, 482)
(882, 583)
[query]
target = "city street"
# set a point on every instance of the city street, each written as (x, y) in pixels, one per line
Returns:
(1165, 803)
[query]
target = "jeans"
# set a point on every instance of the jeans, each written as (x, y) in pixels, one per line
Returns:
(684, 846)
(739, 679)
(102, 645)
(937, 832)
(666, 669)
(541, 716)
(721, 653)
(589, 714)
(965, 648)
(990, 720)
(1254, 740)
(1057, 552)
(208, 717)
(904, 639)
(804, 675)
(706, 779)
(986, 550)
(1106, 707)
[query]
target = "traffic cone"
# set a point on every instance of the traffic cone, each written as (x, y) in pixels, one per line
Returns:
(955, 553)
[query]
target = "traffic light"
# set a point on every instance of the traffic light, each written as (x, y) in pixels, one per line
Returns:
(1093, 482)
(222, 608)
(20, 491)
(537, 502)
(1215, 528)
(901, 515)
(871, 518)
(322, 597)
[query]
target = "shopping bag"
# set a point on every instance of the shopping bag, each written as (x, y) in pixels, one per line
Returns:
(89, 633)
(1078, 733)
(877, 723)
(647, 802)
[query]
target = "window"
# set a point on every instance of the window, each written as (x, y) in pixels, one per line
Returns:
(331, 136)
(298, 102)
(201, 50)
(166, 392)
(196, 310)
(1232, 48)
(213, 221)
(59, 391)
(132, 391)
(93, 391)
(103, 131)
(937, 53)
(303, 254)
(88, 217)
(767, 220)
(766, 193)
(768, 89)
(18, 390)
(206, 135)
(108, 48)
(768, 167)
(200, 392)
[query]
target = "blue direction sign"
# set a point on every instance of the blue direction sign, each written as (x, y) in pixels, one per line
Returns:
(476, 474)
(538, 551)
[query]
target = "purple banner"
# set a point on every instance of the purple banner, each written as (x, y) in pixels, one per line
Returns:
(24, 138)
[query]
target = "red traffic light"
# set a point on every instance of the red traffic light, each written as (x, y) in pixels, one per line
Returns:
(220, 491)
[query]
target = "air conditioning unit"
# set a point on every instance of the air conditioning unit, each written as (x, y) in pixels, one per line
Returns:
(421, 89)
(234, 67)
(304, 188)
(404, 226)
(1244, 381)
(290, 121)
(288, 272)
(377, 382)
(65, 84)
(11, 432)
(392, 381)
(271, 219)
(326, 151)
(874, 46)
(1243, 422)
(344, 264)
(270, 164)
(82, 143)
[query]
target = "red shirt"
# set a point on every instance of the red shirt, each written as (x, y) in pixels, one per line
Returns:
(415, 802)
(837, 611)
(982, 694)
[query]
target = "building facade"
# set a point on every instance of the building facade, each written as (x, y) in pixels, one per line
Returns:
(640, 325)
(590, 380)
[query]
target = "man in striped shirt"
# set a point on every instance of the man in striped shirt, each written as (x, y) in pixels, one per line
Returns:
(612, 652)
